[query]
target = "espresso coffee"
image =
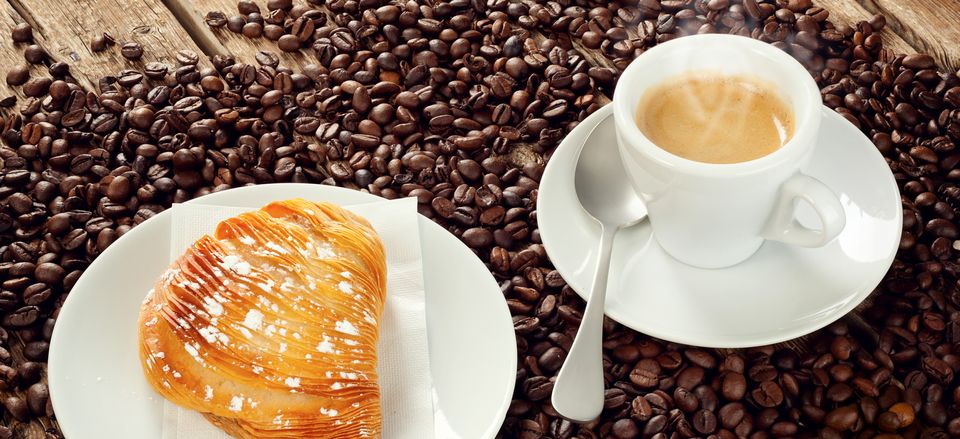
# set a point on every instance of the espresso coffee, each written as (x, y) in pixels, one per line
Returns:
(716, 118)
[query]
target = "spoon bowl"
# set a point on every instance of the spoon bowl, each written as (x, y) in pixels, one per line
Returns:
(604, 189)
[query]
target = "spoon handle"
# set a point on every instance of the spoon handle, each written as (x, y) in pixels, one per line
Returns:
(578, 391)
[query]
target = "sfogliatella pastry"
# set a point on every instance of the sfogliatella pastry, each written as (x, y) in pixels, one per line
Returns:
(269, 327)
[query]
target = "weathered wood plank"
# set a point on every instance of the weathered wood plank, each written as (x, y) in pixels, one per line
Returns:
(242, 48)
(932, 27)
(192, 21)
(849, 12)
(68, 27)
(12, 53)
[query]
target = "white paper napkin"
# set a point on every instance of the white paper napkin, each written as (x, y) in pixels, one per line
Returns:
(404, 361)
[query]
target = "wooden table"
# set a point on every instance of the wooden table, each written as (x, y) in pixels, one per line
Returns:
(163, 27)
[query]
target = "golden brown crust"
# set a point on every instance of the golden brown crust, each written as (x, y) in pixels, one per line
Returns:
(270, 327)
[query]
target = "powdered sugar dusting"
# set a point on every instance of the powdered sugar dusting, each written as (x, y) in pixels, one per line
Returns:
(213, 307)
(236, 403)
(230, 261)
(273, 246)
(325, 346)
(192, 351)
(233, 263)
(253, 319)
(346, 328)
(242, 268)
(325, 251)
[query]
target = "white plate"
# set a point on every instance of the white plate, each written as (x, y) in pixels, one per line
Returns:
(98, 389)
(780, 293)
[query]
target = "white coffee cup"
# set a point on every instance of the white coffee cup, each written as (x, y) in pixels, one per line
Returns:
(717, 215)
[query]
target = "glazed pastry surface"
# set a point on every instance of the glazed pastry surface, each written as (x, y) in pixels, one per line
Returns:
(270, 326)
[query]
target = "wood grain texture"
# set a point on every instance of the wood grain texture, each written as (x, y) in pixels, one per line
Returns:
(242, 48)
(932, 27)
(849, 12)
(68, 27)
(192, 21)
(11, 53)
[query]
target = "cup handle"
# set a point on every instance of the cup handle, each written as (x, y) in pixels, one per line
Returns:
(782, 224)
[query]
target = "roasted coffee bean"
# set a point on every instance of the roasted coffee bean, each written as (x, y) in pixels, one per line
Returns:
(36, 350)
(29, 372)
(8, 377)
(552, 359)
(37, 397)
(37, 87)
(842, 418)
(646, 374)
(267, 58)
(34, 54)
(17, 408)
(655, 425)
(187, 57)
(18, 75)
(252, 30)
(235, 23)
(614, 398)
(36, 294)
(49, 273)
(288, 43)
(731, 415)
(918, 61)
(99, 43)
(273, 32)
(22, 33)
(705, 422)
(685, 400)
(625, 429)
(734, 386)
(215, 19)
(21, 317)
(132, 51)
(538, 388)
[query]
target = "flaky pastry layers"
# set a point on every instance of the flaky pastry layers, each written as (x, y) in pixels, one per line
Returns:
(269, 327)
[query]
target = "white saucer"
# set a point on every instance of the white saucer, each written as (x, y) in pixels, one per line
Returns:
(98, 389)
(780, 293)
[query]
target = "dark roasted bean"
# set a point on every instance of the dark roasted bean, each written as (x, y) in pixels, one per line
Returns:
(131, 50)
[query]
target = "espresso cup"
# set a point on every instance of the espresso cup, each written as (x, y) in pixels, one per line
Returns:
(716, 215)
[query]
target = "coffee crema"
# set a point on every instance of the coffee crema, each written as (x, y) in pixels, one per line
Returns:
(716, 118)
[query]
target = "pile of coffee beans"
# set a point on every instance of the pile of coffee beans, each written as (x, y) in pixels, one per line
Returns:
(292, 27)
(460, 103)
